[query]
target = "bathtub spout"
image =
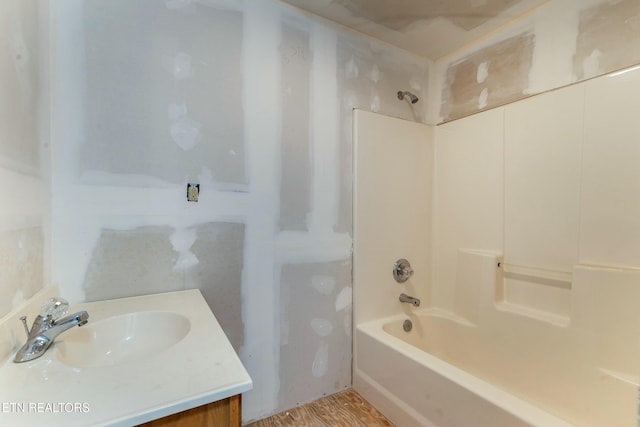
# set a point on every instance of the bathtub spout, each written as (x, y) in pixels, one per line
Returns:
(409, 300)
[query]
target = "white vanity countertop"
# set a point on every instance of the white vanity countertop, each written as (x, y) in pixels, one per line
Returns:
(199, 369)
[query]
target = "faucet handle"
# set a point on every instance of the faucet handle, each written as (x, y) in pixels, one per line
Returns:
(24, 323)
(54, 307)
(402, 270)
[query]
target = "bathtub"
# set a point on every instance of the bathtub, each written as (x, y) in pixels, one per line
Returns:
(406, 377)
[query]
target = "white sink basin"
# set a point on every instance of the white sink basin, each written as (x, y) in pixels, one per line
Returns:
(121, 339)
(138, 359)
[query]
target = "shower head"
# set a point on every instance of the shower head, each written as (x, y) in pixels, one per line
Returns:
(406, 93)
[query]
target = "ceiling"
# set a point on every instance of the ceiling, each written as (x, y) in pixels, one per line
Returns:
(429, 28)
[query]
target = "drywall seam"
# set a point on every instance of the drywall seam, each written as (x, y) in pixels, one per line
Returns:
(218, 4)
(297, 248)
(70, 238)
(88, 200)
(262, 77)
(324, 125)
(296, 173)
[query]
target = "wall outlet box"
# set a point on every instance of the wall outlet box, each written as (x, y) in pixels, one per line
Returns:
(193, 191)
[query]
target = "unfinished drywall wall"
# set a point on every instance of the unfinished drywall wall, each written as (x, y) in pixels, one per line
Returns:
(156, 102)
(477, 82)
(157, 259)
(387, 14)
(429, 28)
(22, 266)
(295, 185)
(315, 326)
(217, 255)
(146, 264)
(272, 90)
(607, 38)
(24, 162)
(562, 42)
(19, 82)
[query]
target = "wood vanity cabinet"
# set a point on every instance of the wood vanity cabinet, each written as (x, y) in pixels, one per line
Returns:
(223, 413)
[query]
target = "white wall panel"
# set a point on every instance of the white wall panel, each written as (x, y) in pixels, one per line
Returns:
(543, 147)
(610, 215)
(392, 212)
(468, 195)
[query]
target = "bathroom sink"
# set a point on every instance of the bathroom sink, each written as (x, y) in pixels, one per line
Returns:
(138, 359)
(121, 339)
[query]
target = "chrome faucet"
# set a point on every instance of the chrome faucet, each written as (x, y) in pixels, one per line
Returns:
(409, 300)
(46, 328)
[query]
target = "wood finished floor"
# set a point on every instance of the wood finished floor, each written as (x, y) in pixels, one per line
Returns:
(344, 409)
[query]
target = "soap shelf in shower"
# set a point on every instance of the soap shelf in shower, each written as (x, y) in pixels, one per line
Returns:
(536, 293)
(561, 277)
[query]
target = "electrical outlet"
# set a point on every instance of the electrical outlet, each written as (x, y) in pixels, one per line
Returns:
(193, 191)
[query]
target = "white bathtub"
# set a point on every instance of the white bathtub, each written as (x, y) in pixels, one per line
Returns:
(405, 375)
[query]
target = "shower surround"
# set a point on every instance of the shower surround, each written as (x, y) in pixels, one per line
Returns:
(522, 226)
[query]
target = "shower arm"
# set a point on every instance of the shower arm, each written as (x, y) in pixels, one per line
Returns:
(406, 94)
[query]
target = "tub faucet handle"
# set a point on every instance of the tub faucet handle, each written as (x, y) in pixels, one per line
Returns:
(402, 270)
